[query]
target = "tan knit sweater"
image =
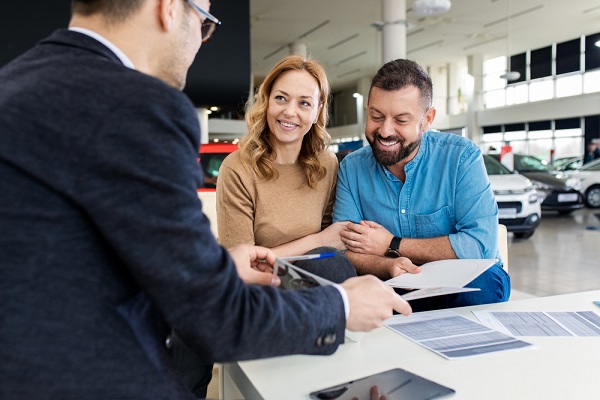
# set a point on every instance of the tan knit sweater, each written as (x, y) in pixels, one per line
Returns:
(274, 212)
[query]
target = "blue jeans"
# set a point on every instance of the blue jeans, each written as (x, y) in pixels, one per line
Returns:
(495, 288)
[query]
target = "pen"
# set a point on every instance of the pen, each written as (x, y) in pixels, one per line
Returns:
(597, 302)
(308, 257)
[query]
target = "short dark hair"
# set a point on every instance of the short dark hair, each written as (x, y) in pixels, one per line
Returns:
(398, 74)
(113, 10)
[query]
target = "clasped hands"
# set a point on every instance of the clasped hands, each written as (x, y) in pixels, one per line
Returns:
(371, 238)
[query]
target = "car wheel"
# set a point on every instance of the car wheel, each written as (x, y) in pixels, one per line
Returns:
(592, 196)
(524, 235)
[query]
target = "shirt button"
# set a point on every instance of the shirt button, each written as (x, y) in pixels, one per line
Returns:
(403, 211)
(169, 342)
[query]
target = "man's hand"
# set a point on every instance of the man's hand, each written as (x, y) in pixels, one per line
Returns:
(368, 237)
(371, 302)
(253, 265)
(402, 265)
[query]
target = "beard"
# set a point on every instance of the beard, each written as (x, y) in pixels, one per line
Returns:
(391, 157)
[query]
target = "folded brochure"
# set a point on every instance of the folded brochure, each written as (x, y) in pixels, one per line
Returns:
(441, 277)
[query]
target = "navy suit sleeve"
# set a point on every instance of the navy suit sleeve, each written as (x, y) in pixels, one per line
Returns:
(143, 200)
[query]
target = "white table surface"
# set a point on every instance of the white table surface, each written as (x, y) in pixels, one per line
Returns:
(554, 368)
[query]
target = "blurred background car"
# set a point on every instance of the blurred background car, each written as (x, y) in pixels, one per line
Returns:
(558, 191)
(210, 158)
(518, 203)
(568, 163)
(589, 175)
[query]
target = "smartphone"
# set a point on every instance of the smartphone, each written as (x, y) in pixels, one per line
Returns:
(394, 384)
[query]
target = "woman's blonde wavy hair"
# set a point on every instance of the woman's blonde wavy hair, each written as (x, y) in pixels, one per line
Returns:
(257, 152)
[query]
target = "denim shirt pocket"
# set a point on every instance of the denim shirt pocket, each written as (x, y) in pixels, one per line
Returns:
(439, 223)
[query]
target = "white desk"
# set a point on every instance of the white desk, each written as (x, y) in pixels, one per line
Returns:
(556, 368)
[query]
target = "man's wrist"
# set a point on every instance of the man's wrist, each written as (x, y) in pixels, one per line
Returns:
(394, 248)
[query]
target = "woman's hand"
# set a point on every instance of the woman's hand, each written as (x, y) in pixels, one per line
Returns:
(330, 236)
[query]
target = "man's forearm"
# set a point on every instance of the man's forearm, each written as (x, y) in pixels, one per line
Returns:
(370, 264)
(421, 251)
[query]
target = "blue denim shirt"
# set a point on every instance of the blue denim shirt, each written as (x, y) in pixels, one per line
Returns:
(447, 193)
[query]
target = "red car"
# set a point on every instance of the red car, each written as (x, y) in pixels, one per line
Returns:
(210, 158)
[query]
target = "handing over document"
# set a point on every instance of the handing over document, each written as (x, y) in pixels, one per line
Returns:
(442, 277)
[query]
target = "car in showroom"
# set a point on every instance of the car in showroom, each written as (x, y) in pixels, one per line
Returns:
(210, 158)
(518, 203)
(589, 174)
(568, 163)
(558, 191)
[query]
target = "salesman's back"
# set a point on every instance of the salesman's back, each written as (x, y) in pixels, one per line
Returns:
(104, 246)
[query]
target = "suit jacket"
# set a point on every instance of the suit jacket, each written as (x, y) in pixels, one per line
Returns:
(103, 244)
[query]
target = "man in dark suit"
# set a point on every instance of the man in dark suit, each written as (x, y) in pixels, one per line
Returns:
(104, 249)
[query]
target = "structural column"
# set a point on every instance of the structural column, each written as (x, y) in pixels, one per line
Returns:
(394, 30)
(203, 119)
(475, 96)
(298, 49)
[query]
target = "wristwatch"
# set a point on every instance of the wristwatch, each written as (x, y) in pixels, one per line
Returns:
(394, 250)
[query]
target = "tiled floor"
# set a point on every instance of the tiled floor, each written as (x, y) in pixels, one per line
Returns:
(563, 256)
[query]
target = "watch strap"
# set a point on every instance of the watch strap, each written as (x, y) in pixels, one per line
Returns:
(395, 244)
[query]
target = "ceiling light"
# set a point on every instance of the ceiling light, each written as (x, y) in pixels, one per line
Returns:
(511, 75)
(431, 7)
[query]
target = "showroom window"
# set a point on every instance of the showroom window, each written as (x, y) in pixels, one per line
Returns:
(537, 138)
(564, 69)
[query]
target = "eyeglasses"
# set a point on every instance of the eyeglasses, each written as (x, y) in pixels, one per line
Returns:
(209, 25)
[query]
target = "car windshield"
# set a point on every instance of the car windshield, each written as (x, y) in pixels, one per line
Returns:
(211, 162)
(593, 166)
(530, 163)
(571, 165)
(493, 166)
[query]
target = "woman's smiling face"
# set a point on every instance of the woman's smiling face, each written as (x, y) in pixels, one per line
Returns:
(293, 107)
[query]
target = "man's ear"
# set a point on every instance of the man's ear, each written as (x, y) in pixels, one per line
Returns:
(429, 117)
(167, 10)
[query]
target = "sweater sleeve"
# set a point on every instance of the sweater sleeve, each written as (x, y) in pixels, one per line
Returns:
(235, 203)
(332, 171)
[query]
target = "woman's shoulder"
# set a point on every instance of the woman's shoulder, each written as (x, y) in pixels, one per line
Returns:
(328, 158)
(233, 163)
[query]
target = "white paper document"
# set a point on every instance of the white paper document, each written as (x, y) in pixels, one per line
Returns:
(538, 323)
(451, 335)
(437, 291)
(444, 273)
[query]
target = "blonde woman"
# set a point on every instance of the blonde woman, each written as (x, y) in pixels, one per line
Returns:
(278, 189)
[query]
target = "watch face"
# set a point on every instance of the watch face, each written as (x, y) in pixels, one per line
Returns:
(392, 253)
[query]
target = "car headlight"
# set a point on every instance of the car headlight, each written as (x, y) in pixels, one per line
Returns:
(533, 198)
(542, 186)
(574, 183)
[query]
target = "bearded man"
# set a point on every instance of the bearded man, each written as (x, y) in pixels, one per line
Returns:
(417, 195)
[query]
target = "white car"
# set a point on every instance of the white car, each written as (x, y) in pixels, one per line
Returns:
(589, 175)
(518, 202)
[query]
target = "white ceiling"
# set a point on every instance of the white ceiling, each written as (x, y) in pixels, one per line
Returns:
(339, 34)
